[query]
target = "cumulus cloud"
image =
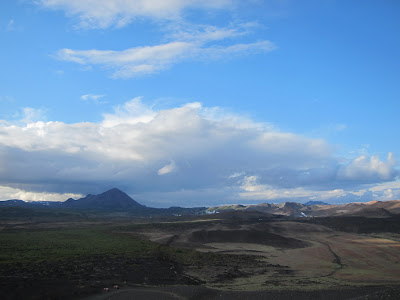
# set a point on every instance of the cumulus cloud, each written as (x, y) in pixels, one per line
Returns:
(253, 190)
(8, 193)
(250, 184)
(188, 154)
(389, 190)
(369, 168)
(132, 112)
(119, 13)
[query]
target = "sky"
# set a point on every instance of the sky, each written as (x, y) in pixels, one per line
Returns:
(200, 102)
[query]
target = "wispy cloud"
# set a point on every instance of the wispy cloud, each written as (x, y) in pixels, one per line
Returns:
(171, 167)
(184, 31)
(93, 98)
(152, 59)
(133, 61)
(11, 25)
(30, 115)
(119, 13)
(5, 98)
(182, 41)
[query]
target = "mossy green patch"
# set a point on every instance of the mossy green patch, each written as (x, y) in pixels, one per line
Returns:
(40, 245)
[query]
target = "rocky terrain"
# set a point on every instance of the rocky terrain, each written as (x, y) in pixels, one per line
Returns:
(375, 209)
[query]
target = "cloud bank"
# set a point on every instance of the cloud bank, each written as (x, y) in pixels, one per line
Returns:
(187, 155)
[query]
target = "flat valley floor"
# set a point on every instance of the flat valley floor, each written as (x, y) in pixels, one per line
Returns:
(223, 256)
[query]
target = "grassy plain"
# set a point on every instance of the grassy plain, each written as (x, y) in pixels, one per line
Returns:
(24, 245)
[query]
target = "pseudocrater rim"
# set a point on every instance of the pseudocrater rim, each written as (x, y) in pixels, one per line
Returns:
(250, 236)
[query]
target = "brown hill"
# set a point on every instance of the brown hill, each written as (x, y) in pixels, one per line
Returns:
(371, 209)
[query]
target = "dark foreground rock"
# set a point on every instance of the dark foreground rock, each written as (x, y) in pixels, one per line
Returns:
(203, 293)
(70, 279)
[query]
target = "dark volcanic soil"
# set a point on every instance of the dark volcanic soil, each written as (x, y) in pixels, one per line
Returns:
(203, 293)
(74, 278)
(245, 236)
(80, 277)
(164, 273)
(358, 224)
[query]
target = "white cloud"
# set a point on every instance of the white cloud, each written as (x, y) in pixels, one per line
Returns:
(119, 13)
(171, 167)
(369, 168)
(250, 184)
(131, 112)
(299, 194)
(202, 153)
(253, 190)
(93, 98)
(382, 191)
(236, 175)
(183, 41)
(152, 59)
(8, 193)
(206, 33)
(10, 25)
(31, 115)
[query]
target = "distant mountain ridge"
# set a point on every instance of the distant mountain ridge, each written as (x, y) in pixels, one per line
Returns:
(12, 202)
(310, 203)
(375, 209)
(113, 199)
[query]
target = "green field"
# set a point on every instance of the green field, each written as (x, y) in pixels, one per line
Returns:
(57, 244)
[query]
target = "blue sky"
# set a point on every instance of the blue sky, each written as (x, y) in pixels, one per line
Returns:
(200, 102)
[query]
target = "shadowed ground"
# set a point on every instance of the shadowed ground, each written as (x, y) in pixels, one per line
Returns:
(238, 256)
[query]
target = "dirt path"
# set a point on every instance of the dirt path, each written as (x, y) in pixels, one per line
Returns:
(337, 260)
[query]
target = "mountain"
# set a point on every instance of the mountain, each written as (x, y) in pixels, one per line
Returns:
(373, 212)
(13, 202)
(116, 201)
(113, 200)
(310, 203)
(373, 209)
(29, 204)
